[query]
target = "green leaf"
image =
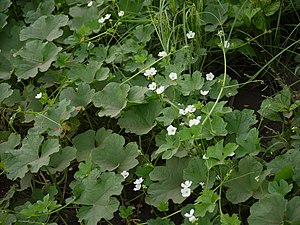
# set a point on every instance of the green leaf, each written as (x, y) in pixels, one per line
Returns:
(190, 83)
(192, 171)
(35, 56)
(293, 211)
(84, 143)
(136, 94)
(95, 196)
(45, 28)
(230, 220)
(62, 159)
(125, 212)
(160, 221)
(168, 185)
(112, 99)
(44, 8)
(51, 121)
(281, 188)
(111, 155)
(269, 210)
(143, 32)
(84, 72)
(214, 15)
(248, 143)
(169, 115)
(206, 202)
(13, 141)
(239, 122)
(246, 182)
(79, 98)
(219, 109)
(5, 91)
(29, 157)
(140, 119)
(272, 8)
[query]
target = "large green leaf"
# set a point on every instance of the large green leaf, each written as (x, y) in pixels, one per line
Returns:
(274, 210)
(30, 157)
(140, 119)
(214, 15)
(45, 28)
(5, 91)
(33, 57)
(95, 196)
(112, 155)
(190, 83)
(169, 178)
(247, 181)
(206, 202)
(248, 143)
(112, 99)
(84, 143)
(44, 8)
(84, 72)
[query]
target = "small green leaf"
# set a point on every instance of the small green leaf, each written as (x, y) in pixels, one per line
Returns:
(230, 220)
(45, 28)
(214, 15)
(169, 115)
(140, 119)
(44, 8)
(169, 178)
(143, 33)
(29, 157)
(5, 91)
(84, 143)
(125, 212)
(84, 72)
(281, 188)
(111, 155)
(95, 196)
(112, 99)
(190, 83)
(206, 202)
(35, 56)
(248, 143)
(136, 94)
(160, 221)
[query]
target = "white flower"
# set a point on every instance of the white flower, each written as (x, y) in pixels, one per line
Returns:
(162, 54)
(193, 122)
(202, 185)
(173, 76)
(171, 130)
(182, 112)
(90, 4)
(160, 90)
(185, 192)
(121, 13)
(190, 109)
(191, 216)
(125, 174)
(226, 44)
(150, 72)
(138, 184)
(186, 184)
(101, 20)
(203, 92)
(190, 35)
(220, 33)
(107, 16)
(210, 76)
(39, 95)
(152, 86)
(204, 157)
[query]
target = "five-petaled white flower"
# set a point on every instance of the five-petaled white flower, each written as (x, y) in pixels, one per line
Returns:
(39, 95)
(125, 174)
(190, 35)
(185, 192)
(190, 109)
(162, 54)
(191, 216)
(152, 86)
(203, 92)
(90, 4)
(173, 76)
(138, 184)
(150, 72)
(121, 13)
(210, 76)
(171, 130)
(196, 121)
(160, 90)
(182, 112)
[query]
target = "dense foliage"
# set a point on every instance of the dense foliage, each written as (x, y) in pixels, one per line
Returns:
(125, 112)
